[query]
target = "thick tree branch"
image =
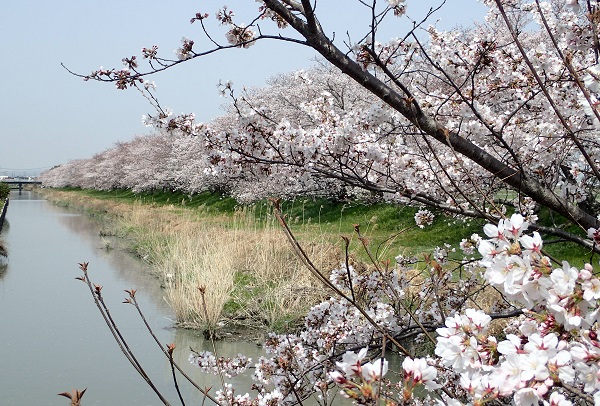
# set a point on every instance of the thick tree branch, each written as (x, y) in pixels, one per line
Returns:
(431, 126)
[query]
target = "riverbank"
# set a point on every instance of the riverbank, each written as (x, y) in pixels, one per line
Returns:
(4, 193)
(249, 274)
(4, 203)
(43, 306)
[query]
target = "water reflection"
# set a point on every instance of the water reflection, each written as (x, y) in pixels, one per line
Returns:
(52, 337)
(126, 267)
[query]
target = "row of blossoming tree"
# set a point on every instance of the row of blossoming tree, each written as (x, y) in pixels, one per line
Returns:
(484, 122)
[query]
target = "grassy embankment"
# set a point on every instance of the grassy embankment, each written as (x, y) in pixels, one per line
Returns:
(240, 254)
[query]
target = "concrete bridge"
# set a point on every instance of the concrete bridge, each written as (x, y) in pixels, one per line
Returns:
(19, 183)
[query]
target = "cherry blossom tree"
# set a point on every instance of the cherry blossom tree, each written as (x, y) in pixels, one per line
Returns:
(467, 120)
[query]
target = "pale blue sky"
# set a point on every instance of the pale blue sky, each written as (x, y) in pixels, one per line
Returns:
(50, 117)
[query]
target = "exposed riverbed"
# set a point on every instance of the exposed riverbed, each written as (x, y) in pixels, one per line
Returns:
(52, 337)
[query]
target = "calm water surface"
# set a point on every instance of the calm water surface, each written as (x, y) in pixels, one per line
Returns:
(52, 338)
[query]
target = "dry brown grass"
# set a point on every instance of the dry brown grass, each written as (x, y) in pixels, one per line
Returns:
(244, 264)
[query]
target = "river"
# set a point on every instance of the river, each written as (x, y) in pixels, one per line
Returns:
(52, 337)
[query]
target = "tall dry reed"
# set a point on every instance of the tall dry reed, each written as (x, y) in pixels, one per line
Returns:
(243, 262)
(238, 261)
(284, 288)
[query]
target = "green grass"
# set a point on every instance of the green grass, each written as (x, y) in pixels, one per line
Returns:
(244, 290)
(213, 202)
(251, 299)
(574, 254)
(378, 222)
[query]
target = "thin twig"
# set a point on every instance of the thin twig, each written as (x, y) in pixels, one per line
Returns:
(316, 272)
(95, 290)
(132, 300)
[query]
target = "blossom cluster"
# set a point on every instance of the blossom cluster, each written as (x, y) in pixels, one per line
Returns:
(526, 96)
(399, 6)
(423, 218)
(554, 344)
(319, 133)
(241, 36)
(229, 367)
(238, 34)
(353, 368)
(329, 136)
(185, 50)
(549, 353)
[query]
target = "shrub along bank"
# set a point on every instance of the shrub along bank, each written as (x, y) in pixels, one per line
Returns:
(4, 191)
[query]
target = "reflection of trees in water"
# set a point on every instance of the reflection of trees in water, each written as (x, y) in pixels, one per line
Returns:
(3, 266)
(127, 267)
(138, 275)
(5, 226)
(85, 227)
